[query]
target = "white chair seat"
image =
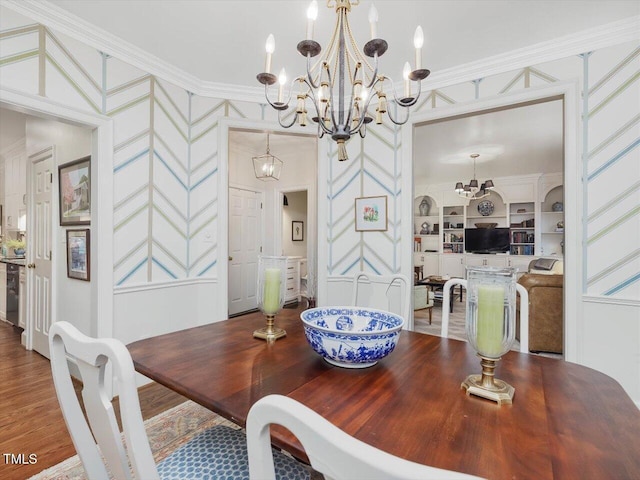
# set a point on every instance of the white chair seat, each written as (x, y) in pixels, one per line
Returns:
(221, 452)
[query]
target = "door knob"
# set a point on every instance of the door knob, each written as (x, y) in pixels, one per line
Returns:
(230, 258)
(31, 265)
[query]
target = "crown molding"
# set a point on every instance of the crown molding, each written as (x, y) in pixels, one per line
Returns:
(75, 27)
(54, 17)
(606, 35)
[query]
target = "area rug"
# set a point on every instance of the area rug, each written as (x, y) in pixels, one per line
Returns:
(166, 431)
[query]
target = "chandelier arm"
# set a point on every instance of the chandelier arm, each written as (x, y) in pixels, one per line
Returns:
(371, 88)
(277, 105)
(396, 121)
(310, 81)
(408, 103)
(283, 125)
(266, 95)
(314, 100)
(374, 77)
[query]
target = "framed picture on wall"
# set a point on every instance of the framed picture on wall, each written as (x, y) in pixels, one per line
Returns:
(371, 214)
(75, 192)
(297, 231)
(78, 254)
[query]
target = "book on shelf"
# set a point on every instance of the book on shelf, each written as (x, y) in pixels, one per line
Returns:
(522, 237)
(522, 249)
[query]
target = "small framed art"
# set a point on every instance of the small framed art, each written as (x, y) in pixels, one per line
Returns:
(78, 254)
(371, 214)
(297, 231)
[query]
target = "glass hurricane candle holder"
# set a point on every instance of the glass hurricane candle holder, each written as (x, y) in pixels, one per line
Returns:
(490, 325)
(270, 294)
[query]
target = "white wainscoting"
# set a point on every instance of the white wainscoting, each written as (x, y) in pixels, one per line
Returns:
(611, 340)
(155, 309)
(149, 310)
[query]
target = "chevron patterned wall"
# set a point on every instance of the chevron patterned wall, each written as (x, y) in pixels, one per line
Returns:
(166, 164)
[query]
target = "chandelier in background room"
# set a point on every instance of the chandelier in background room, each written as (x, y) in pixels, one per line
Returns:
(341, 84)
(267, 166)
(471, 190)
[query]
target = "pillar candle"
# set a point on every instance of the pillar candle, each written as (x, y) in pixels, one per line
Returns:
(490, 320)
(271, 295)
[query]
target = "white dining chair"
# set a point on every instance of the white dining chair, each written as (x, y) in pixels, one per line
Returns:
(330, 450)
(218, 452)
(524, 310)
(381, 293)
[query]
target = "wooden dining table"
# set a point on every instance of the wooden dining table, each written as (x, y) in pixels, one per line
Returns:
(567, 421)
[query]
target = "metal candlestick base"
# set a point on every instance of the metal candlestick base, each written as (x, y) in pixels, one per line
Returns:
(270, 333)
(487, 386)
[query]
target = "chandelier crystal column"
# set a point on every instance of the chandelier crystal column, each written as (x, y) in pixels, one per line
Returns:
(342, 83)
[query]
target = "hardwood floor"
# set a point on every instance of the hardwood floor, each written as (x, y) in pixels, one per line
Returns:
(30, 419)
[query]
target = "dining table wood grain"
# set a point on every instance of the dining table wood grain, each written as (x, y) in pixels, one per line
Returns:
(567, 421)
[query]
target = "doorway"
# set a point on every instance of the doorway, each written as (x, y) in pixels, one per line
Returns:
(571, 173)
(95, 312)
(267, 236)
(295, 243)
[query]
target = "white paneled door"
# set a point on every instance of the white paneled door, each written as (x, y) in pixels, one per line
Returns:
(39, 302)
(245, 233)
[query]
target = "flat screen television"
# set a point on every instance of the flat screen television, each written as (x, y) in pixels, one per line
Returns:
(486, 240)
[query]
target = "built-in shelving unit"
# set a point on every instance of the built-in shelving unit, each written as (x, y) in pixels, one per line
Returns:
(524, 206)
(426, 225)
(497, 216)
(552, 222)
(523, 228)
(453, 229)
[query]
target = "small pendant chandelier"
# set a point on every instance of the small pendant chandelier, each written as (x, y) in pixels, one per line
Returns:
(471, 190)
(342, 83)
(267, 167)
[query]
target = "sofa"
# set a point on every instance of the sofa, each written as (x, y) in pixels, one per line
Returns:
(544, 283)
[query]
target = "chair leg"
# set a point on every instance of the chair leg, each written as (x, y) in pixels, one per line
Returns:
(430, 309)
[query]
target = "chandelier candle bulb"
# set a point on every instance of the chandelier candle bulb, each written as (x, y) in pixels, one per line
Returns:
(418, 41)
(312, 14)
(373, 21)
(269, 47)
(407, 84)
(282, 79)
(490, 320)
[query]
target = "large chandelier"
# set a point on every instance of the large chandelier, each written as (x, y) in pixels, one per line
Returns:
(471, 189)
(342, 82)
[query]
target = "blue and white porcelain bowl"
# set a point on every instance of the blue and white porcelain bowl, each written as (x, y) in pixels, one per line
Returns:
(351, 337)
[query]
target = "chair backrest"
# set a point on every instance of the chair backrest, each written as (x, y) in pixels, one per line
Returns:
(331, 451)
(524, 310)
(390, 301)
(99, 361)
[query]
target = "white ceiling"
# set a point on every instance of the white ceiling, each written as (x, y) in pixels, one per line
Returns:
(518, 141)
(223, 41)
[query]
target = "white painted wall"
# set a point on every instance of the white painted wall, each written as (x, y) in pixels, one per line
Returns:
(73, 298)
(12, 125)
(609, 333)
